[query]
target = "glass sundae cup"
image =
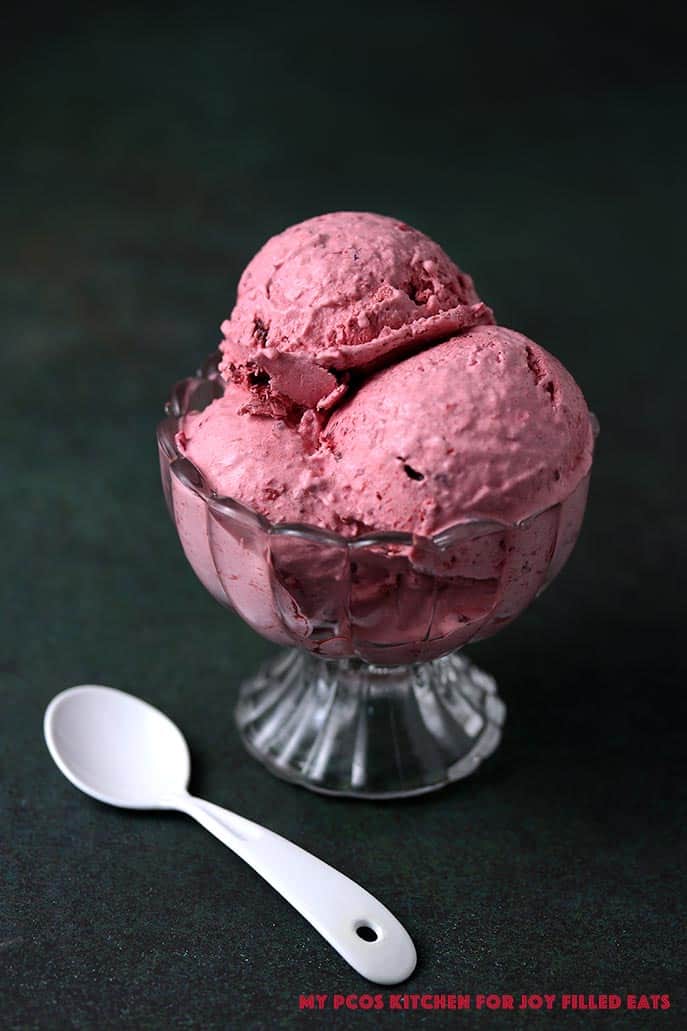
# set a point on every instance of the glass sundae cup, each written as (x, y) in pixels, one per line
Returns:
(371, 696)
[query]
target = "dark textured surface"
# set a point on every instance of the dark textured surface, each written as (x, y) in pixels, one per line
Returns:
(146, 156)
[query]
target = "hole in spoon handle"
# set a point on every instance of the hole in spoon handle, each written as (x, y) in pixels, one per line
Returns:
(367, 932)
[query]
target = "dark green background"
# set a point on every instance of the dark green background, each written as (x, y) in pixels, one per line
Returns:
(146, 155)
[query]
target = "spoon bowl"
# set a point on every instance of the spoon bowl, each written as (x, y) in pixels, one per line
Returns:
(117, 748)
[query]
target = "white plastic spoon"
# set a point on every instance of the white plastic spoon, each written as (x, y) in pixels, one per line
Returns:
(123, 751)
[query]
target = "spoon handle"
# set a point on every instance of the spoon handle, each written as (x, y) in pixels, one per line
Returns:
(355, 923)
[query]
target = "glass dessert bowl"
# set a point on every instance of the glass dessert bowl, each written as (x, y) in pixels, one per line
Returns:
(372, 697)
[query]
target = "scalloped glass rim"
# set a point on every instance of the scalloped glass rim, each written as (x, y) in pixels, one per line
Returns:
(192, 478)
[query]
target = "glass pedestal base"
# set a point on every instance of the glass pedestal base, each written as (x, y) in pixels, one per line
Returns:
(350, 728)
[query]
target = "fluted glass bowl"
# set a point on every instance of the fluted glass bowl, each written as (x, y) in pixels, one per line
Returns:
(371, 698)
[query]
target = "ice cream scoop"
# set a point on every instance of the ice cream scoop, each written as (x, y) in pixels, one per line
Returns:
(342, 291)
(269, 465)
(485, 425)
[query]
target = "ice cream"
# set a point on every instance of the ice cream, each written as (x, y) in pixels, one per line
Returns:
(366, 392)
(265, 463)
(485, 425)
(343, 291)
(273, 469)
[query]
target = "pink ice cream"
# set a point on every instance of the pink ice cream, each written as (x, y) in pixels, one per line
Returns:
(468, 438)
(485, 425)
(483, 428)
(340, 292)
(264, 463)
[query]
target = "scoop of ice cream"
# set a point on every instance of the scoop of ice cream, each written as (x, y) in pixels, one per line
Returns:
(485, 425)
(265, 464)
(342, 291)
